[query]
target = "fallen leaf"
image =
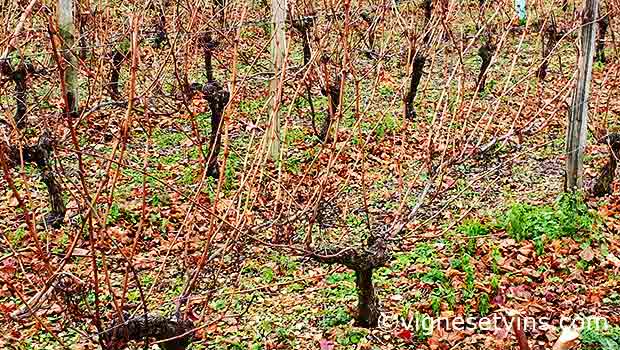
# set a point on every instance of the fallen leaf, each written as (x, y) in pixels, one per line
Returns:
(612, 259)
(396, 297)
(587, 254)
(404, 334)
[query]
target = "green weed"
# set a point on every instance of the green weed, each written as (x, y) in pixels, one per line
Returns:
(167, 139)
(334, 318)
(422, 333)
(495, 283)
(115, 213)
(424, 253)
(496, 256)
(389, 123)
(352, 337)
(484, 304)
(295, 135)
(285, 263)
(436, 301)
(343, 286)
(598, 66)
(18, 236)
(567, 217)
(267, 275)
(472, 229)
(595, 336)
(464, 264)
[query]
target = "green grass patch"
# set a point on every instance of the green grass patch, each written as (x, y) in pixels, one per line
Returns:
(567, 217)
(472, 229)
(597, 335)
(334, 317)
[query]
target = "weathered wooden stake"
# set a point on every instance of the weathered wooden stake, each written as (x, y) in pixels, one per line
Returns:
(67, 33)
(278, 51)
(578, 114)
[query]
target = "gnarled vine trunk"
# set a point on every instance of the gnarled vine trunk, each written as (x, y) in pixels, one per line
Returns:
(368, 304)
(602, 183)
(117, 58)
(303, 26)
(220, 7)
(40, 154)
(333, 94)
(151, 326)
(427, 6)
(486, 53)
(217, 97)
(416, 76)
(370, 21)
(363, 261)
(18, 76)
(603, 24)
(161, 36)
(207, 49)
(549, 40)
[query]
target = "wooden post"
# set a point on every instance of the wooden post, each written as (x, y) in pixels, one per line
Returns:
(578, 114)
(278, 51)
(67, 33)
